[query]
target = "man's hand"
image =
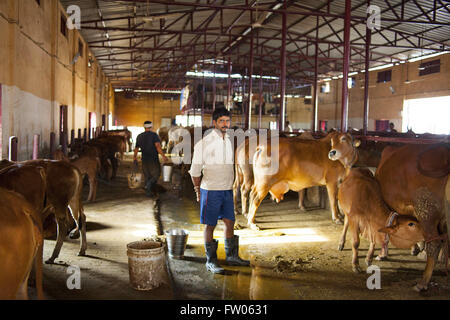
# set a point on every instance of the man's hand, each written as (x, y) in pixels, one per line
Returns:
(165, 159)
(197, 192)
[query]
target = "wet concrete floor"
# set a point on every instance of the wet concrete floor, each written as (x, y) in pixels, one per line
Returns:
(294, 255)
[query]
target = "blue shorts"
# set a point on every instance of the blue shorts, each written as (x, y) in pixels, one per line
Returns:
(216, 204)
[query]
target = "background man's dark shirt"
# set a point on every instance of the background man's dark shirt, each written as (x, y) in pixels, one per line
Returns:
(146, 142)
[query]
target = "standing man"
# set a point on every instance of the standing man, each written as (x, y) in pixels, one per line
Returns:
(150, 146)
(214, 156)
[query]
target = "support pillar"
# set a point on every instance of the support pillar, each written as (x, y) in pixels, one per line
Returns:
(52, 144)
(366, 81)
(282, 119)
(346, 59)
(248, 114)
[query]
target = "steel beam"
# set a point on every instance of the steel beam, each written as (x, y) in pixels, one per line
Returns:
(346, 58)
(283, 71)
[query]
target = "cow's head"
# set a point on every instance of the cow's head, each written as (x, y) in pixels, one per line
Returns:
(405, 232)
(343, 149)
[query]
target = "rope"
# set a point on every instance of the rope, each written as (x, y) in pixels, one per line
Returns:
(389, 222)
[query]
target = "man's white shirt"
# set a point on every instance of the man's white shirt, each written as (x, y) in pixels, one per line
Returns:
(215, 157)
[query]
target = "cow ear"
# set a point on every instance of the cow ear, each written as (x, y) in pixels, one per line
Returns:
(356, 143)
(388, 230)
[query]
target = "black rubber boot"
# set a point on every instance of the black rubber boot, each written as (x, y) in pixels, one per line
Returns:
(232, 252)
(211, 257)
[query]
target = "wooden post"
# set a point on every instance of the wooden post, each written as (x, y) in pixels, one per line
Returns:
(36, 139)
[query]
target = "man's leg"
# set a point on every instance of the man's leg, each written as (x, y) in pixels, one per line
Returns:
(155, 172)
(146, 171)
(231, 240)
(209, 209)
(229, 228)
(208, 233)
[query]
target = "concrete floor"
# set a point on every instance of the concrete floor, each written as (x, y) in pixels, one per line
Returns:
(294, 256)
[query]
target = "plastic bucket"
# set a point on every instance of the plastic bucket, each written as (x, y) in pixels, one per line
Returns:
(167, 173)
(146, 264)
(176, 242)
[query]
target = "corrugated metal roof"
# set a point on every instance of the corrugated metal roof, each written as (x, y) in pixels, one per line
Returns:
(179, 36)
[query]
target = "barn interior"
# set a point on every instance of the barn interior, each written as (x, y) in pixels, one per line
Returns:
(71, 71)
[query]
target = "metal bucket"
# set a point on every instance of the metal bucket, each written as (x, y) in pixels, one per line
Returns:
(146, 264)
(167, 173)
(176, 242)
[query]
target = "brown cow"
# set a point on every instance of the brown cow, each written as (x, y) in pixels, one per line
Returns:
(20, 239)
(366, 213)
(95, 150)
(301, 164)
(88, 165)
(163, 133)
(123, 133)
(63, 189)
(243, 180)
(30, 182)
(407, 191)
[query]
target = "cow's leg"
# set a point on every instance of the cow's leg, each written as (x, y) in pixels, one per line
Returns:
(369, 257)
(427, 210)
(245, 191)
(37, 269)
(80, 219)
(344, 234)
(355, 245)
(115, 165)
(22, 293)
(301, 199)
(332, 194)
(61, 222)
(235, 192)
(83, 243)
(92, 187)
(257, 195)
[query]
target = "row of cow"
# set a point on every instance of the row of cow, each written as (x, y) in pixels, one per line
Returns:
(36, 192)
(406, 199)
(405, 202)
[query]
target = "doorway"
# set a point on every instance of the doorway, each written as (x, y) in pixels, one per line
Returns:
(92, 124)
(428, 115)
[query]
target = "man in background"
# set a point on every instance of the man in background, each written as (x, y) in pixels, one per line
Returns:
(150, 146)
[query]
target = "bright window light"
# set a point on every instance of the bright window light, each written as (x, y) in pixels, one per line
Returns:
(427, 115)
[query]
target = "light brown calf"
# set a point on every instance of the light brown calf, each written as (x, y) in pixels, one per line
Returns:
(366, 213)
(413, 181)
